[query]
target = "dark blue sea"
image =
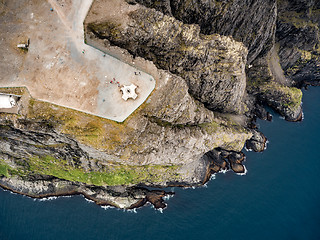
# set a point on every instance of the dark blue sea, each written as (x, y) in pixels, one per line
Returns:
(279, 198)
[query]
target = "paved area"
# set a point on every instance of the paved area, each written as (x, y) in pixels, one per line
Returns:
(59, 67)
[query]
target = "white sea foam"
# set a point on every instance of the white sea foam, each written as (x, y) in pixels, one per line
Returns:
(248, 150)
(245, 171)
(11, 192)
(224, 171)
(159, 209)
(265, 146)
(134, 210)
(167, 197)
(302, 116)
(47, 199)
(205, 185)
(185, 188)
(67, 196)
(105, 207)
(281, 117)
(89, 200)
(212, 177)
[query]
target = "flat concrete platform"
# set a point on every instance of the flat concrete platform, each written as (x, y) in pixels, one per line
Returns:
(59, 67)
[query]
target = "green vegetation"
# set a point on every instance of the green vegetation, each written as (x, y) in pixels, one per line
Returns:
(13, 90)
(305, 58)
(4, 170)
(88, 129)
(290, 97)
(111, 174)
(227, 133)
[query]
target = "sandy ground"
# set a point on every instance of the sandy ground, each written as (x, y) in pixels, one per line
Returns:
(59, 68)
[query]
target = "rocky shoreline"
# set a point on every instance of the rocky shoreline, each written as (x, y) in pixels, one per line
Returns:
(120, 197)
(215, 69)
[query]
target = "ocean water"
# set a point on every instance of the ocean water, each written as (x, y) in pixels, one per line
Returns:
(279, 198)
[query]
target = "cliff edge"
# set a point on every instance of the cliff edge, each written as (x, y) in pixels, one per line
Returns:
(215, 70)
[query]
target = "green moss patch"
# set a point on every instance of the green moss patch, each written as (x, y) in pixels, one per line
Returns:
(4, 170)
(290, 97)
(94, 131)
(111, 174)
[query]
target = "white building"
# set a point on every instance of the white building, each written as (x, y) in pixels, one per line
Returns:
(7, 101)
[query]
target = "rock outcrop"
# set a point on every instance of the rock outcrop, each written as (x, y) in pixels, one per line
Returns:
(255, 29)
(257, 143)
(120, 197)
(212, 65)
(216, 65)
(298, 38)
(161, 145)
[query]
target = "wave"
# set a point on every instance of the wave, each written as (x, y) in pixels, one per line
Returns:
(265, 145)
(245, 171)
(106, 207)
(248, 150)
(134, 210)
(47, 199)
(224, 171)
(213, 177)
(89, 200)
(167, 197)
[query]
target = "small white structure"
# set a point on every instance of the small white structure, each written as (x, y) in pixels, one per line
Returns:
(7, 101)
(129, 92)
(24, 45)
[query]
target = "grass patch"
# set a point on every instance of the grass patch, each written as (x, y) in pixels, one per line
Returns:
(91, 130)
(111, 175)
(13, 90)
(4, 170)
(290, 97)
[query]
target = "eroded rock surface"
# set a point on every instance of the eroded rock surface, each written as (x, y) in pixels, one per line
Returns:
(212, 65)
(216, 65)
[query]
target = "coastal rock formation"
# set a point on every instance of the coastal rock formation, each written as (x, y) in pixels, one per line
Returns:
(217, 64)
(120, 197)
(222, 160)
(255, 29)
(298, 38)
(156, 148)
(257, 143)
(212, 65)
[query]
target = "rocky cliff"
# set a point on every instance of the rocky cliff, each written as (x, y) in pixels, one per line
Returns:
(297, 36)
(216, 64)
(212, 65)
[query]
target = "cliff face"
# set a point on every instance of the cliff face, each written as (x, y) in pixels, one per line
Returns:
(49, 150)
(251, 22)
(216, 63)
(213, 66)
(298, 38)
